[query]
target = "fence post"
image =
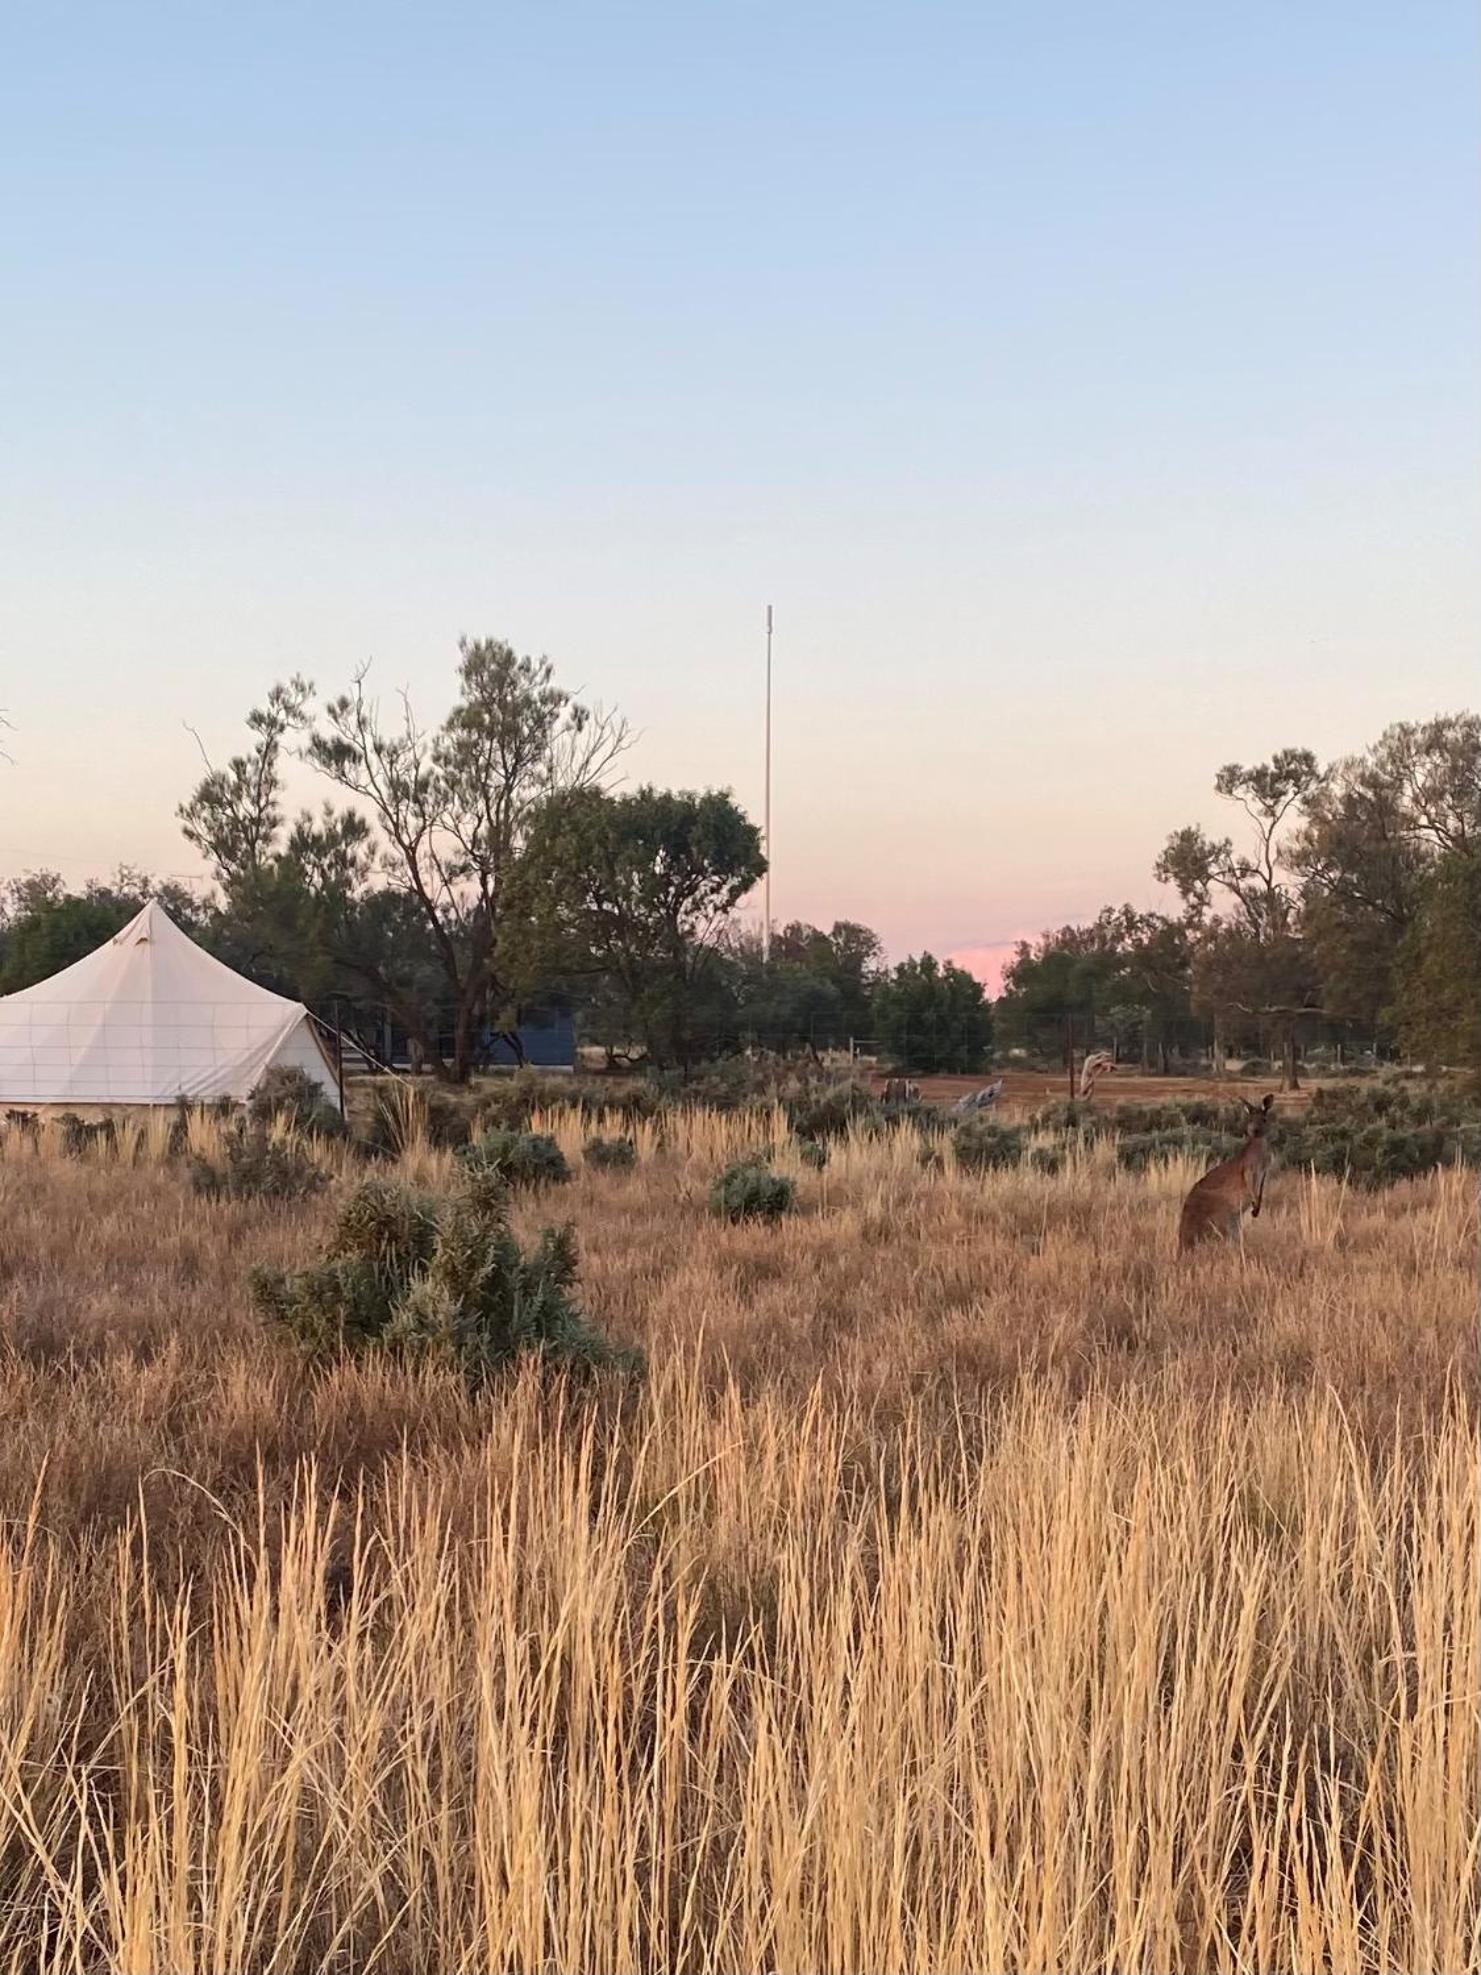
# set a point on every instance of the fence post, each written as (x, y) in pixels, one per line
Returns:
(339, 1054)
(1069, 1050)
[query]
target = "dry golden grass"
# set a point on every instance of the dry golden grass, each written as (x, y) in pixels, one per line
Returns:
(968, 1587)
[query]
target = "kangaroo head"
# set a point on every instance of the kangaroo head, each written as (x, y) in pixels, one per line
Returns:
(1259, 1116)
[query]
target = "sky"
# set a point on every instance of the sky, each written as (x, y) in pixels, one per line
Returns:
(1093, 390)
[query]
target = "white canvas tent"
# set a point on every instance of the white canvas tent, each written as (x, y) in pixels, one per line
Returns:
(146, 1019)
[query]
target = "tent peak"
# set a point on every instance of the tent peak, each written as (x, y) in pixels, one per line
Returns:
(143, 923)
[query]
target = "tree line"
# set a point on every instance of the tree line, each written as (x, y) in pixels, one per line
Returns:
(1344, 908)
(459, 877)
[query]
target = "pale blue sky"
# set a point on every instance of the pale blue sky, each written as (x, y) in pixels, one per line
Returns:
(1093, 389)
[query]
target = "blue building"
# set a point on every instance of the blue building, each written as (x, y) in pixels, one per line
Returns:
(547, 1043)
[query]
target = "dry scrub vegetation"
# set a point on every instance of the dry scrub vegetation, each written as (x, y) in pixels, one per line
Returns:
(967, 1587)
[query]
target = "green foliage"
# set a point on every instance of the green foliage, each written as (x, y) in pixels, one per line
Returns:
(828, 1110)
(292, 1097)
(982, 1146)
(814, 990)
(403, 1113)
(749, 1190)
(613, 1155)
(1137, 1150)
(1123, 977)
(1086, 1120)
(256, 1165)
(517, 1158)
(437, 1279)
(1378, 1133)
(44, 927)
(636, 889)
(730, 1083)
(1438, 989)
(407, 896)
(813, 1153)
(932, 1016)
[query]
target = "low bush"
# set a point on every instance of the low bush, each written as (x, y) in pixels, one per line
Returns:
(256, 1164)
(79, 1136)
(437, 1279)
(748, 1190)
(290, 1096)
(507, 1103)
(982, 1146)
(813, 1152)
(732, 1083)
(612, 1155)
(403, 1114)
(518, 1158)
(822, 1111)
(1375, 1154)
(1392, 1102)
(1136, 1151)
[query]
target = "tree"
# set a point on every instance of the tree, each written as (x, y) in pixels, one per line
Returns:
(1125, 975)
(1373, 830)
(932, 1016)
(786, 1005)
(1439, 971)
(453, 809)
(635, 891)
(815, 990)
(46, 928)
(235, 815)
(405, 894)
(1243, 908)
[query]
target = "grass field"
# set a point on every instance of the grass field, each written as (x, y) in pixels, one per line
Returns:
(969, 1586)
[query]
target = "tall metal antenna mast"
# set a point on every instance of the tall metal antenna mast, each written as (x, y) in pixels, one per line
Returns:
(766, 823)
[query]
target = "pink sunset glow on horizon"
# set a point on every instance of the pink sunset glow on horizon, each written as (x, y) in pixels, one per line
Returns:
(987, 963)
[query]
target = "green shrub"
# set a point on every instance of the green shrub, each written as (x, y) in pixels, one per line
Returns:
(507, 1103)
(403, 1113)
(732, 1083)
(437, 1279)
(255, 1165)
(1394, 1103)
(614, 1155)
(749, 1190)
(518, 1158)
(291, 1096)
(1372, 1154)
(1136, 1151)
(1072, 1115)
(827, 1111)
(982, 1146)
(813, 1152)
(1046, 1158)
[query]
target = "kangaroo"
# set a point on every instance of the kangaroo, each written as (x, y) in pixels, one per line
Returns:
(1216, 1204)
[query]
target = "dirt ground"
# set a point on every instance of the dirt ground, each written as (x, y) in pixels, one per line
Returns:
(1029, 1090)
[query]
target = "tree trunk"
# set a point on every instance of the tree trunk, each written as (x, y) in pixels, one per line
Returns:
(1290, 1080)
(461, 1068)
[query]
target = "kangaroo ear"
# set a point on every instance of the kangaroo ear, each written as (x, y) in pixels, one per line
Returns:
(1268, 1105)
(1249, 1107)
